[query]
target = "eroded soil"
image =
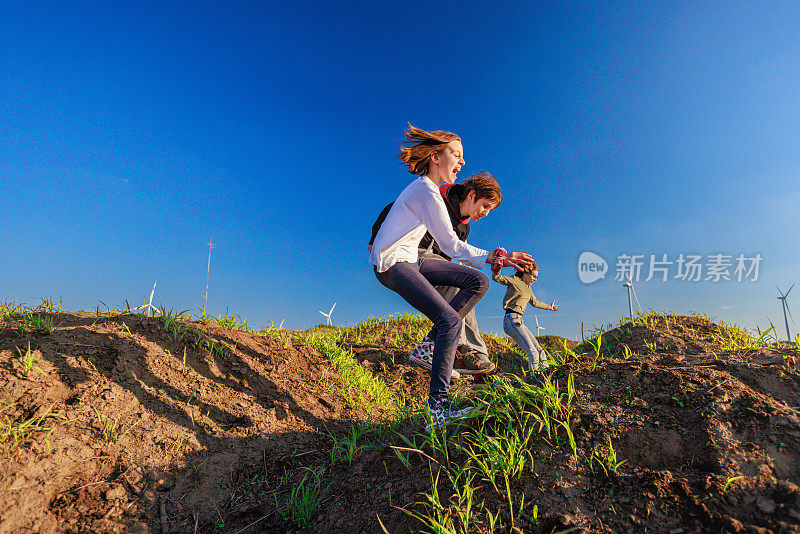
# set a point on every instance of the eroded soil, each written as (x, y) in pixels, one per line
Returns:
(131, 429)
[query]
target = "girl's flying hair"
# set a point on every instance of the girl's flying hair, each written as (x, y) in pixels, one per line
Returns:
(485, 186)
(421, 145)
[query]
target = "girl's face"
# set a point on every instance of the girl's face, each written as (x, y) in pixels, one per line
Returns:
(475, 209)
(530, 278)
(446, 163)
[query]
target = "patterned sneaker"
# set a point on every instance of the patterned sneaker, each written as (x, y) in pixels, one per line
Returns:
(471, 364)
(422, 355)
(443, 412)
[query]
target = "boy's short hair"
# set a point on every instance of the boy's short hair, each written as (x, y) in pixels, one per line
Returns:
(485, 186)
(527, 269)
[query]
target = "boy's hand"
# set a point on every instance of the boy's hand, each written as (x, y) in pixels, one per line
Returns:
(518, 260)
(554, 306)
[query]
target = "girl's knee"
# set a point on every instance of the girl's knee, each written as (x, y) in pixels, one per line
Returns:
(482, 284)
(450, 320)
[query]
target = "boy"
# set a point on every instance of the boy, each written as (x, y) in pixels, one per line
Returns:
(517, 297)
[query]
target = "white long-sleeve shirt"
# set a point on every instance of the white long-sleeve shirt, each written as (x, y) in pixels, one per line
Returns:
(418, 209)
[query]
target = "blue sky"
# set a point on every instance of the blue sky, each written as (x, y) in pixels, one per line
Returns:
(131, 134)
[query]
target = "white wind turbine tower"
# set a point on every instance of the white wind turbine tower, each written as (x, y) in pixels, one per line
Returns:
(782, 298)
(537, 325)
(208, 271)
(328, 315)
(149, 308)
(629, 285)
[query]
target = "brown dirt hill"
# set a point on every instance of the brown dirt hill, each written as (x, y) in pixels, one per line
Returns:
(706, 418)
(124, 425)
(117, 418)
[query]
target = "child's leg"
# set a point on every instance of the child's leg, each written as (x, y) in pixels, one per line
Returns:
(514, 327)
(406, 280)
(538, 347)
(470, 341)
(471, 337)
(470, 284)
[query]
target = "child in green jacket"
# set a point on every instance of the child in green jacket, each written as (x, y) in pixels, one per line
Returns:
(517, 297)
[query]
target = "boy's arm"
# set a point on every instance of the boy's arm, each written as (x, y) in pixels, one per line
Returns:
(542, 305)
(539, 304)
(501, 279)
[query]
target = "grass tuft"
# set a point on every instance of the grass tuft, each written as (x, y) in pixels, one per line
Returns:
(367, 390)
(305, 498)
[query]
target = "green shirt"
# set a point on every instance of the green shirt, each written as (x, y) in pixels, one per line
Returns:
(518, 294)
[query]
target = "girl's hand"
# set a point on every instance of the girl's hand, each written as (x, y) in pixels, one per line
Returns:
(554, 306)
(518, 260)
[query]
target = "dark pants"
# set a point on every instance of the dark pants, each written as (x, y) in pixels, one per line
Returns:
(415, 284)
(470, 341)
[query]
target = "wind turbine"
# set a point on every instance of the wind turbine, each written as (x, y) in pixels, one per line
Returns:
(328, 315)
(537, 325)
(149, 306)
(629, 285)
(208, 271)
(782, 298)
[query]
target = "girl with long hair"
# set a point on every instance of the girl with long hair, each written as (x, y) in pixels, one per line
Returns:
(436, 157)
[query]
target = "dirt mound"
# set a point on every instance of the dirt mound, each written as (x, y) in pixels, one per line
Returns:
(116, 423)
(120, 412)
(706, 418)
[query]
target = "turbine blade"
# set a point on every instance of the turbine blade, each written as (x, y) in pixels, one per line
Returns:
(787, 293)
(332, 307)
(788, 310)
(639, 306)
(323, 313)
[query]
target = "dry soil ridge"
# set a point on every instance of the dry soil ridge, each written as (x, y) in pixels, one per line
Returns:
(710, 436)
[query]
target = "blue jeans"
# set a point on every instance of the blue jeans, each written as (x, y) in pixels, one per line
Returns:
(414, 282)
(514, 327)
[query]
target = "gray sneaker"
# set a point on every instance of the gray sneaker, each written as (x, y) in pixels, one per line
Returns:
(472, 364)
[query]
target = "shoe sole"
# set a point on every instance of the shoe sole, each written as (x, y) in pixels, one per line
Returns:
(477, 371)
